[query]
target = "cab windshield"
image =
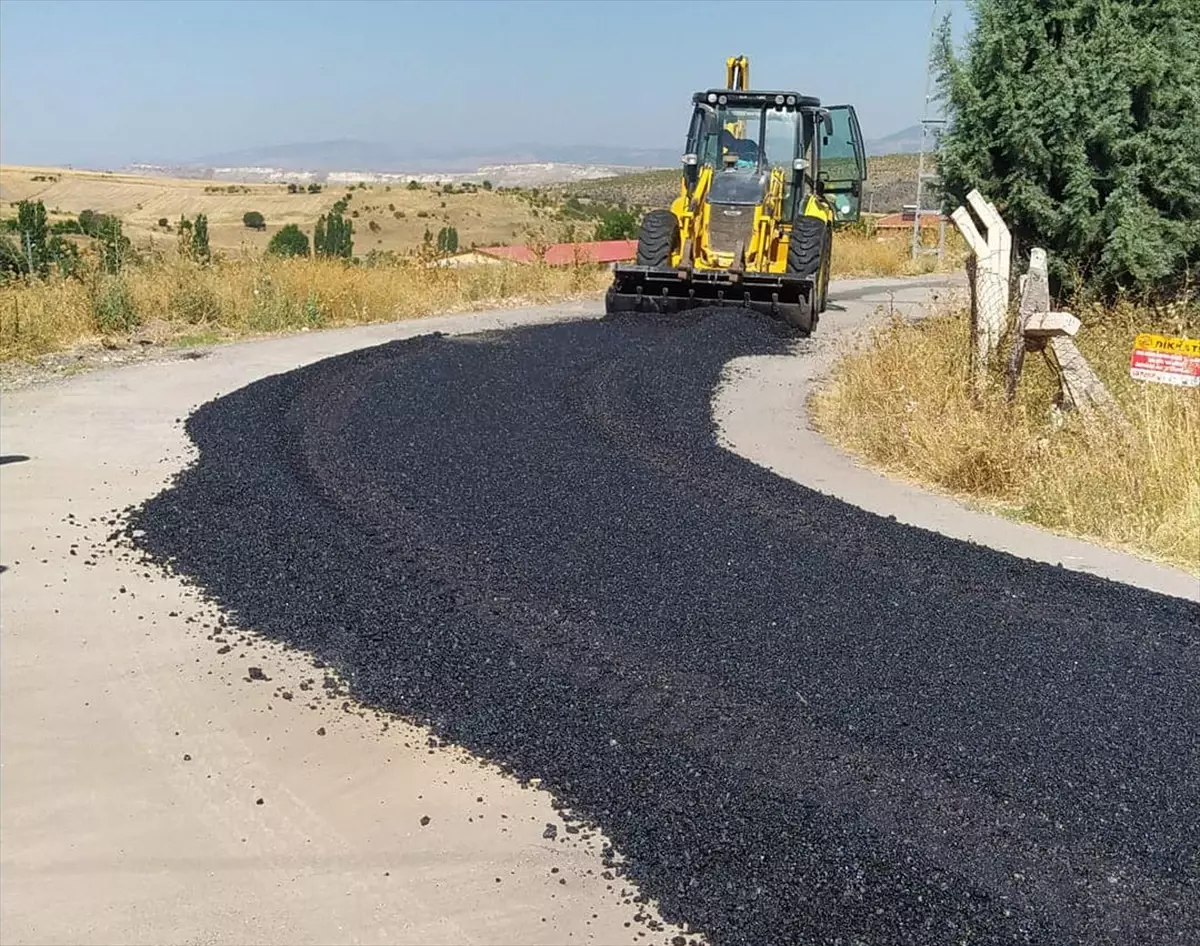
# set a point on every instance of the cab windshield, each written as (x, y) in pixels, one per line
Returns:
(741, 137)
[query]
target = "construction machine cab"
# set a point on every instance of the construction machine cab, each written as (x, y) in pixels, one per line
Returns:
(815, 150)
(843, 162)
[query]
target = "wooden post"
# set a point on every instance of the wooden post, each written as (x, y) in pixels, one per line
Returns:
(1035, 297)
(1080, 385)
(1036, 329)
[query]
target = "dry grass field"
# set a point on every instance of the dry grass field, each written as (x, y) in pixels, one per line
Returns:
(182, 301)
(161, 297)
(400, 216)
(901, 403)
(389, 218)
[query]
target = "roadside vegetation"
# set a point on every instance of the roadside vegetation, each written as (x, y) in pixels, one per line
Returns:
(180, 298)
(79, 280)
(1113, 195)
(900, 403)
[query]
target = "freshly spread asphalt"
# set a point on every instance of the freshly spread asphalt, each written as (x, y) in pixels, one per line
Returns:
(798, 722)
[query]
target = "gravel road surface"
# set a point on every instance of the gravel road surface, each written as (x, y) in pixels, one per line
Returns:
(797, 720)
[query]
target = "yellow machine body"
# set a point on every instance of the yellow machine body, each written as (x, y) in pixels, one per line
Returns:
(752, 224)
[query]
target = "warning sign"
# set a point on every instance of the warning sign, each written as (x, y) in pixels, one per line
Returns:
(1166, 359)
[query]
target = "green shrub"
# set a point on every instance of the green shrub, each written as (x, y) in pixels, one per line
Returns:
(289, 241)
(254, 220)
(617, 225)
(313, 315)
(113, 307)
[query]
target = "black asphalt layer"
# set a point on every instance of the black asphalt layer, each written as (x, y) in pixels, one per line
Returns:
(798, 722)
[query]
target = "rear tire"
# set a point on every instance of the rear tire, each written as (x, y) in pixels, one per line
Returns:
(658, 237)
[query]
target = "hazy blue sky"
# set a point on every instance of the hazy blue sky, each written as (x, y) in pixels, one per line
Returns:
(111, 82)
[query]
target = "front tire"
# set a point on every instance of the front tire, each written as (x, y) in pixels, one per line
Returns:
(805, 246)
(800, 315)
(658, 237)
(826, 267)
(806, 254)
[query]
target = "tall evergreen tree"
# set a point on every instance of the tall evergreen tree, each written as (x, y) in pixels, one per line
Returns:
(447, 240)
(200, 248)
(1080, 119)
(319, 236)
(333, 236)
(32, 230)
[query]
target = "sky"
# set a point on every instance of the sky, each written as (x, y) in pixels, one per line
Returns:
(109, 82)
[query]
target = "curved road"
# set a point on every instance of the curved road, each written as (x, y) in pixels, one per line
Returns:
(796, 721)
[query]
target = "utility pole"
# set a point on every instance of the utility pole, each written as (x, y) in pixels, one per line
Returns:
(28, 249)
(929, 128)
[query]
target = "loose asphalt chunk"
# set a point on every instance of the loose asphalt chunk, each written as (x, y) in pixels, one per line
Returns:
(797, 722)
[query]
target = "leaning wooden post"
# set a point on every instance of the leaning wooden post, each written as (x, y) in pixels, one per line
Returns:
(1038, 329)
(993, 255)
(1035, 297)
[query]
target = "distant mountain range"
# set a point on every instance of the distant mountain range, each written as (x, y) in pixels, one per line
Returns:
(905, 141)
(351, 155)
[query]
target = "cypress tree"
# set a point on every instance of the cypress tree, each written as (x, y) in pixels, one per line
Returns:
(1080, 119)
(200, 248)
(319, 237)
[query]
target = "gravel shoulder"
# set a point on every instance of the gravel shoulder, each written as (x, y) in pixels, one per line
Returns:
(761, 413)
(137, 742)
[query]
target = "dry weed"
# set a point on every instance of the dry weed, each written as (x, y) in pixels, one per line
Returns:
(248, 296)
(901, 402)
(862, 253)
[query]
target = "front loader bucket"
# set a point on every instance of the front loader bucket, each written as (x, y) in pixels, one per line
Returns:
(646, 289)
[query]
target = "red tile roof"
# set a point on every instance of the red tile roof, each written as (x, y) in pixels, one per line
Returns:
(904, 221)
(564, 254)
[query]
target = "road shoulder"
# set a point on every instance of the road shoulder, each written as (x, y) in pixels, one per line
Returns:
(761, 413)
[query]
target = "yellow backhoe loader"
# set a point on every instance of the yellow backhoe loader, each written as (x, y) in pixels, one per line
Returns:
(766, 176)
